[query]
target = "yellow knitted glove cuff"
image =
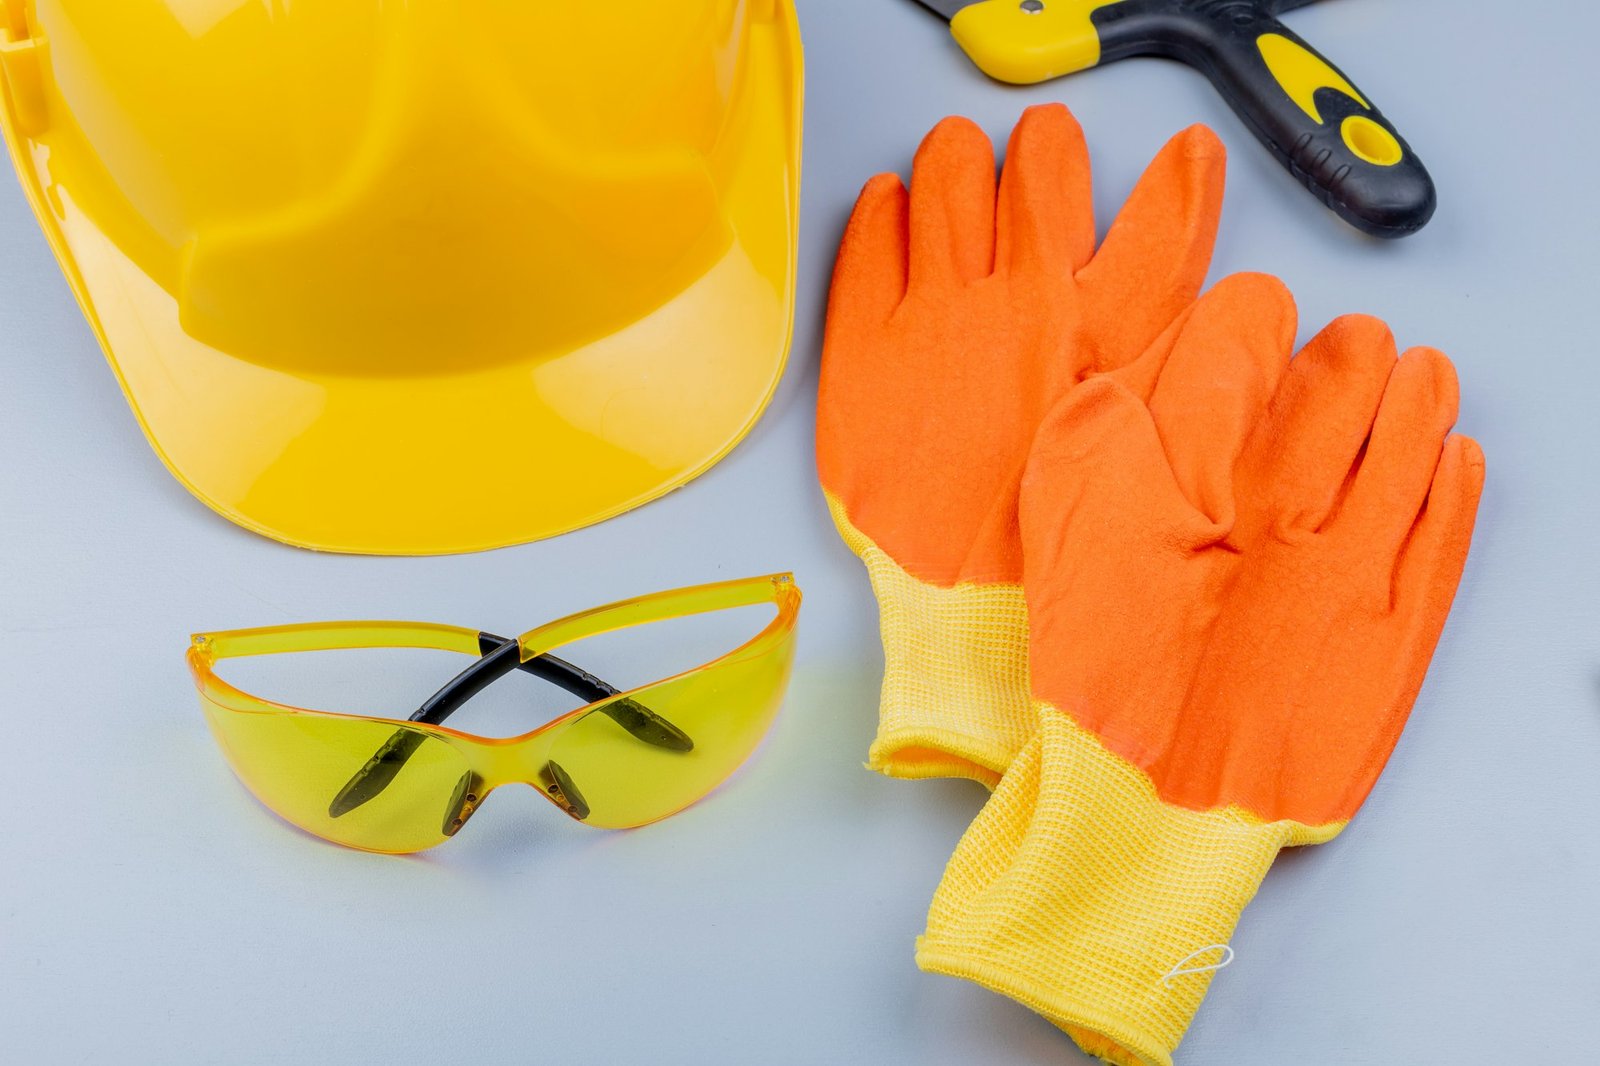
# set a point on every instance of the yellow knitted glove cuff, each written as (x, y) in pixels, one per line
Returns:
(1080, 893)
(955, 699)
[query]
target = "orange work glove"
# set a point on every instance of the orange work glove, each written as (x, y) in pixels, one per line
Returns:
(959, 314)
(1224, 654)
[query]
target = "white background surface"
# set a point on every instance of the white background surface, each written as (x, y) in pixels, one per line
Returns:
(151, 912)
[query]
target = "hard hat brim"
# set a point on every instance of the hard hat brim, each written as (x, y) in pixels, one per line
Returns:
(423, 464)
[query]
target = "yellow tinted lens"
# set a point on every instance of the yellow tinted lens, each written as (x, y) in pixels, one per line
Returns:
(303, 766)
(641, 757)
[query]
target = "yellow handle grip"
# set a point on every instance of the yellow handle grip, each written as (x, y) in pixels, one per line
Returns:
(1028, 41)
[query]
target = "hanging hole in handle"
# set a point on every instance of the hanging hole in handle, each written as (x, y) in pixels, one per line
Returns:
(1370, 141)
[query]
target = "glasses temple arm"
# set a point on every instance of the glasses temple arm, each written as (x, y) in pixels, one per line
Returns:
(501, 655)
(495, 662)
(641, 722)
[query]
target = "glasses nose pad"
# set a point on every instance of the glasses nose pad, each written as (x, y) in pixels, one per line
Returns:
(559, 786)
(463, 801)
(378, 772)
(646, 725)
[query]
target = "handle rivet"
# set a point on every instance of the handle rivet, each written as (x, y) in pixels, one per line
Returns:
(1031, 7)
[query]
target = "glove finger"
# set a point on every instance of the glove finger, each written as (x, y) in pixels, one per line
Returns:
(1140, 376)
(1098, 474)
(1106, 532)
(1156, 255)
(952, 206)
(869, 277)
(1045, 215)
(1218, 382)
(1391, 485)
(1320, 420)
(1424, 587)
(1431, 565)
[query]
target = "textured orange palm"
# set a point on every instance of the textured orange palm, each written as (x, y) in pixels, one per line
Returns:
(961, 312)
(1250, 622)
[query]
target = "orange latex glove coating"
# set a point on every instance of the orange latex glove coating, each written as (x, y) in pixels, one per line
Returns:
(1281, 614)
(1224, 653)
(959, 314)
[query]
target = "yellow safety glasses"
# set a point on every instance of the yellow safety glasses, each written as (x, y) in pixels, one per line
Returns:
(625, 759)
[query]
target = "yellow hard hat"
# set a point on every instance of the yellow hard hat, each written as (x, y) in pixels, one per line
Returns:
(434, 276)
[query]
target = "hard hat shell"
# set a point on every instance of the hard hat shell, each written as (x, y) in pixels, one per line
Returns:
(423, 277)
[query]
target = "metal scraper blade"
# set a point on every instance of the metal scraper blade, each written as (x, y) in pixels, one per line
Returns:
(945, 8)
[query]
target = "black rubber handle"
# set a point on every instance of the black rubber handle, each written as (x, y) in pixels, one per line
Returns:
(1303, 108)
